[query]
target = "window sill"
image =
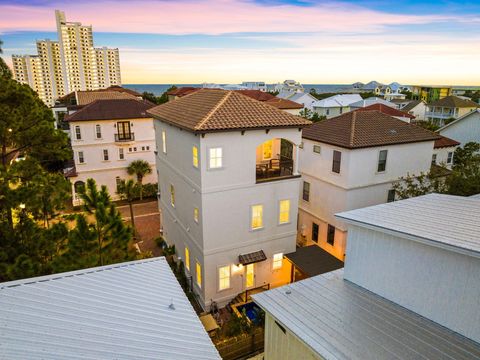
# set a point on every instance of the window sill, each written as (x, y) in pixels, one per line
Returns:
(257, 229)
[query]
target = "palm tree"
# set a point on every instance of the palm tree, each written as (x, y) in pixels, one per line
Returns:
(127, 190)
(140, 168)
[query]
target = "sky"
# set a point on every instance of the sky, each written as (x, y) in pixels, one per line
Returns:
(230, 41)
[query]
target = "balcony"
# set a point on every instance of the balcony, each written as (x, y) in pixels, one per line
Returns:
(125, 137)
(274, 161)
(274, 169)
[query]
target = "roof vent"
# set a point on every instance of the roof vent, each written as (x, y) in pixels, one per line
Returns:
(288, 292)
(393, 131)
(171, 306)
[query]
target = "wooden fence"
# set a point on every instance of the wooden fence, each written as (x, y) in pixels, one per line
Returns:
(241, 346)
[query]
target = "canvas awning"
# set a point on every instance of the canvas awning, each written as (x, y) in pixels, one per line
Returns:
(313, 260)
(251, 258)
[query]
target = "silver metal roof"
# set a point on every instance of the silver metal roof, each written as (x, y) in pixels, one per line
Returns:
(452, 222)
(119, 311)
(340, 320)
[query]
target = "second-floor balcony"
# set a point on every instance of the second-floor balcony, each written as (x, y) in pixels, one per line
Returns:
(126, 137)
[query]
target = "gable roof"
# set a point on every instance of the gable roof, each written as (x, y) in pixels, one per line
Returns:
(339, 100)
(182, 91)
(119, 88)
(421, 218)
(112, 110)
(372, 100)
(120, 311)
(453, 101)
(209, 110)
(362, 129)
(299, 97)
(386, 110)
(87, 97)
(477, 111)
(284, 104)
(444, 142)
(412, 104)
(257, 94)
(338, 319)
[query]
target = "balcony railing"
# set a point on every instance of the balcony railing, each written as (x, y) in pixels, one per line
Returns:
(124, 137)
(274, 169)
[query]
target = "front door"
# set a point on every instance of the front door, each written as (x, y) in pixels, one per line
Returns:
(249, 276)
(123, 128)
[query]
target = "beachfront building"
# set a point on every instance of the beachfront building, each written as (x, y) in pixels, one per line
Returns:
(465, 129)
(449, 108)
(409, 289)
(351, 161)
(335, 105)
(371, 101)
(69, 64)
(431, 93)
(255, 85)
(130, 310)
(306, 99)
(228, 183)
(288, 86)
(391, 91)
(106, 136)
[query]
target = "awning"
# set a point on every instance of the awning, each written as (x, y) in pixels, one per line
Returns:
(251, 258)
(313, 260)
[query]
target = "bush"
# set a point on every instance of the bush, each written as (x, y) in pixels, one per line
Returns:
(161, 243)
(150, 190)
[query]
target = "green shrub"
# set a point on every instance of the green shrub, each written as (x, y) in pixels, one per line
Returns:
(160, 242)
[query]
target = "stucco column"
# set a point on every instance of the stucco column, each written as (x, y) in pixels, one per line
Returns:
(295, 164)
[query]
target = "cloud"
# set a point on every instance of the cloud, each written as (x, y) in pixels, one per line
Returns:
(211, 17)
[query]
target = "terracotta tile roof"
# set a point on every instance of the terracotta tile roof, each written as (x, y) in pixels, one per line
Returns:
(387, 110)
(362, 129)
(257, 94)
(112, 109)
(182, 91)
(122, 89)
(454, 102)
(208, 110)
(87, 97)
(284, 104)
(445, 142)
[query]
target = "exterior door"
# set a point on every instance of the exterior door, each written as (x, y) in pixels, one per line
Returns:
(286, 150)
(249, 276)
(123, 128)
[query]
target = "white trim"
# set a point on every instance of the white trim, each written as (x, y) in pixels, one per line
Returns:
(229, 277)
(251, 218)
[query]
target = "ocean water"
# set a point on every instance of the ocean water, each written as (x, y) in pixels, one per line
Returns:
(159, 89)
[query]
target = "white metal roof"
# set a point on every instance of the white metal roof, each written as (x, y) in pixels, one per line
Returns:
(444, 220)
(340, 320)
(370, 101)
(338, 100)
(120, 311)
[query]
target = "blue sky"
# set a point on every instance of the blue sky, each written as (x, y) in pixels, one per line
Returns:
(191, 41)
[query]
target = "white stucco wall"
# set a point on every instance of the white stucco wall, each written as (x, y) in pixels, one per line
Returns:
(465, 130)
(441, 285)
(105, 171)
(224, 198)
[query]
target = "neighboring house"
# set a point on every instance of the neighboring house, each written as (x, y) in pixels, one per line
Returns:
(131, 310)
(289, 86)
(335, 105)
(430, 93)
(180, 92)
(371, 86)
(282, 104)
(465, 129)
(106, 136)
(388, 110)
(75, 100)
(391, 91)
(450, 107)
(370, 101)
(255, 85)
(306, 99)
(443, 150)
(417, 108)
(409, 289)
(228, 179)
(350, 162)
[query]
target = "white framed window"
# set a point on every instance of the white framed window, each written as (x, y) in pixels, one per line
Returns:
(277, 261)
(196, 214)
(121, 154)
(81, 158)
(284, 211)
(98, 131)
(164, 141)
(187, 258)
(198, 273)
(317, 149)
(172, 195)
(224, 277)
(450, 157)
(105, 154)
(78, 133)
(215, 158)
(195, 156)
(382, 160)
(256, 220)
(434, 159)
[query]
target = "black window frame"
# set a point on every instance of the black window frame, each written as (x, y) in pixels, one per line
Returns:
(330, 234)
(315, 232)
(382, 163)
(391, 195)
(306, 192)
(336, 162)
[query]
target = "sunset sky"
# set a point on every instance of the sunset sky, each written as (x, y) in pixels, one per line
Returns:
(229, 41)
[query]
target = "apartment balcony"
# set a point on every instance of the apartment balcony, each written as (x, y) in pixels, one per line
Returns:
(275, 161)
(124, 137)
(439, 115)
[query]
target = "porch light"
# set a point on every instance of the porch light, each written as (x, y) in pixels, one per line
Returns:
(237, 267)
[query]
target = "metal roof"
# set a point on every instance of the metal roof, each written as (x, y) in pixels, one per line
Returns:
(340, 320)
(120, 311)
(452, 222)
(252, 257)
